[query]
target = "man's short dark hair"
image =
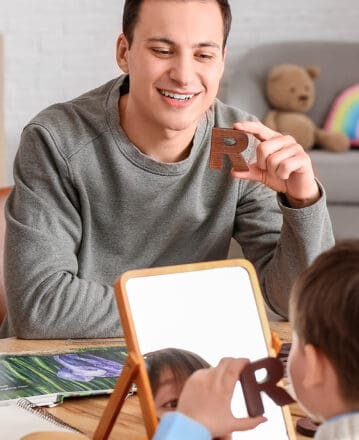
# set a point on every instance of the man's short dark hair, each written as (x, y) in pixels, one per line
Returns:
(324, 311)
(131, 13)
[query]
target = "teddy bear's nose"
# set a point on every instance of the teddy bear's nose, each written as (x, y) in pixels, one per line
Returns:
(303, 98)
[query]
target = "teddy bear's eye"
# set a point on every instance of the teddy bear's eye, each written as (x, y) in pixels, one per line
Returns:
(292, 89)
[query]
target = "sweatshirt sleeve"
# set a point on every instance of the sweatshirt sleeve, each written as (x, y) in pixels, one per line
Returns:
(281, 241)
(177, 426)
(47, 297)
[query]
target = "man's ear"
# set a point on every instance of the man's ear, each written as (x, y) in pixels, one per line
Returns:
(315, 366)
(122, 53)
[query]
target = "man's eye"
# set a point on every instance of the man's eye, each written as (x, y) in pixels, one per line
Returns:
(160, 51)
(172, 404)
(205, 56)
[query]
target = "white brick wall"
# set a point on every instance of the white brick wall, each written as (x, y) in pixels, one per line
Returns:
(54, 50)
(57, 49)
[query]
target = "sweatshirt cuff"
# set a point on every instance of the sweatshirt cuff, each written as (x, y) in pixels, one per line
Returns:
(283, 203)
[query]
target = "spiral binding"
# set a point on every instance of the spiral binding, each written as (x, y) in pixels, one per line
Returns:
(41, 412)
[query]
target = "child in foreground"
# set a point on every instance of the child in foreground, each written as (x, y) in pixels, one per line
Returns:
(323, 363)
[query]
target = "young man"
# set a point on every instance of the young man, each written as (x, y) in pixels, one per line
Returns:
(119, 179)
(323, 361)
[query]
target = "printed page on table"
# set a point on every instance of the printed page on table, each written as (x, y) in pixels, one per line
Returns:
(46, 379)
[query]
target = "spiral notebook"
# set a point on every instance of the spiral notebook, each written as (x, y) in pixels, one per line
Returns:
(21, 417)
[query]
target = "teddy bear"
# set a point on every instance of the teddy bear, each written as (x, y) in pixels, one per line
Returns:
(290, 90)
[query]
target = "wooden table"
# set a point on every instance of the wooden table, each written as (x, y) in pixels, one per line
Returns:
(84, 413)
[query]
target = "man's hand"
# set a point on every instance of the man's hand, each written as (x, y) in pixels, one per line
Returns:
(282, 164)
(206, 398)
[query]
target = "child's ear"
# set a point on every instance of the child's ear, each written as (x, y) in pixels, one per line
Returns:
(122, 53)
(315, 366)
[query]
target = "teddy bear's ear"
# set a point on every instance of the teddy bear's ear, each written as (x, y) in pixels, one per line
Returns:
(313, 71)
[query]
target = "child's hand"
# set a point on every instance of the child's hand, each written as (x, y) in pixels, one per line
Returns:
(206, 398)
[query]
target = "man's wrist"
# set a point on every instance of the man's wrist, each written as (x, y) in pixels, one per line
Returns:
(295, 203)
(300, 203)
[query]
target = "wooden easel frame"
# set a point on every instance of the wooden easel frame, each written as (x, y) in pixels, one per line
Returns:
(135, 369)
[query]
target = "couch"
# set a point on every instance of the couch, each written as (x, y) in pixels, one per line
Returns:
(243, 86)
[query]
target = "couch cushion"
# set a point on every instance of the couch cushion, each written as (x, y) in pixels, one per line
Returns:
(339, 173)
(345, 221)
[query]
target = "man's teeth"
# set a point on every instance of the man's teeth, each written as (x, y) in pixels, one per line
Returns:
(176, 95)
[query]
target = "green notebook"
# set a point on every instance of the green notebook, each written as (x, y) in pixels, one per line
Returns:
(46, 379)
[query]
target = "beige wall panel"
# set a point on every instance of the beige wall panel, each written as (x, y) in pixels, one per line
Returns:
(2, 165)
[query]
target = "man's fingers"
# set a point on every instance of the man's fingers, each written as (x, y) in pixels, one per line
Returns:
(258, 175)
(267, 148)
(253, 173)
(260, 131)
(283, 162)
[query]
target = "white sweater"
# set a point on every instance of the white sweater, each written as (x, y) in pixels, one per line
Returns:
(343, 427)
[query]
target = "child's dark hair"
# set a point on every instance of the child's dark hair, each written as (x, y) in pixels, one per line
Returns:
(182, 364)
(324, 311)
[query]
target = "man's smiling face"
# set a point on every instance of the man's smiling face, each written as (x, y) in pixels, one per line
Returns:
(175, 63)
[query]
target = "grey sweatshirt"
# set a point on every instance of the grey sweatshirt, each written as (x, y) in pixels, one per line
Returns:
(88, 206)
